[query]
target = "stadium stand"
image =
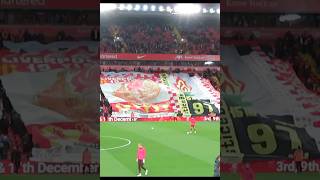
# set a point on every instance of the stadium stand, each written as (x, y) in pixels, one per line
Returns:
(300, 48)
(53, 25)
(271, 70)
(156, 34)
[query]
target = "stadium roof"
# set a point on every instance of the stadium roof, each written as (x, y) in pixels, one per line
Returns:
(168, 8)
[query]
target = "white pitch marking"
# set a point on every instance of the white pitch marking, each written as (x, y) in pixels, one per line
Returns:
(129, 142)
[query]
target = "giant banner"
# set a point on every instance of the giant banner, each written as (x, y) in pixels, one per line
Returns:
(252, 136)
(158, 95)
(264, 128)
(53, 91)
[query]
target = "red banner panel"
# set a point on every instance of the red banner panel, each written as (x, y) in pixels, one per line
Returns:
(157, 57)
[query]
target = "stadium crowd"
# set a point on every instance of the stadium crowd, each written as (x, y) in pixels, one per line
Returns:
(15, 141)
(105, 107)
(160, 36)
(155, 63)
(17, 26)
(49, 17)
(214, 78)
(303, 52)
(42, 37)
(301, 49)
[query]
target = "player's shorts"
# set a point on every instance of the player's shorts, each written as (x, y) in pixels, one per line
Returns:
(140, 162)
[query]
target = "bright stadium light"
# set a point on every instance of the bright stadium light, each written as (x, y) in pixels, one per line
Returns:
(218, 11)
(169, 9)
(129, 7)
(122, 7)
(153, 8)
(137, 7)
(211, 10)
(208, 62)
(204, 10)
(161, 8)
(145, 7)
(187, 8)
(289, 17)
(104, 7)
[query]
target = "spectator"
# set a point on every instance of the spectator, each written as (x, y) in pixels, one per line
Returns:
(95, 34)
(2, 148)
(86, 160)
(16, 158)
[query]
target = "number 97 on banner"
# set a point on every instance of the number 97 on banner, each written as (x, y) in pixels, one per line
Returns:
(199, 108)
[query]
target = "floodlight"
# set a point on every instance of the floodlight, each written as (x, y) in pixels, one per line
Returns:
(129, 7)
(104, 7)
(137, 7)
(122, 7)
(211, 10)
(161, 8)
(204, 10)
(145, 7)
(208, 62)
(186, 8)
(153, 8)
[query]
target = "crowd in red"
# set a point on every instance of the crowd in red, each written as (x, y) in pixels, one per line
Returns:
(160, 36)
(59, 34)
(48, 26)
(15, 142)
(45, 17)
(302, 51)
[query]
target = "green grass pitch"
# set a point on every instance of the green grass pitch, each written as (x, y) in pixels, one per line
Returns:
(170, 151)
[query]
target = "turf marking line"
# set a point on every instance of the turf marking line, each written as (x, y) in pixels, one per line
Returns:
(117, 147)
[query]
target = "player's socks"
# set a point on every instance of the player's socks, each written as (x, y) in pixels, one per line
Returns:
(146, 173)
